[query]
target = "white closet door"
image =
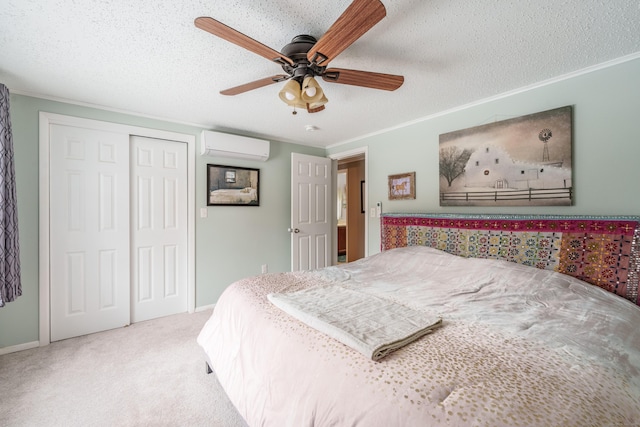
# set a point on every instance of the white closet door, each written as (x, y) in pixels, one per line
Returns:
(159, 228)
(89, 232)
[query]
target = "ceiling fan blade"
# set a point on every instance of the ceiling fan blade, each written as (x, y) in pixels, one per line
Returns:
(234, 36)
(357, 19)
(254, 85)
(363, 78)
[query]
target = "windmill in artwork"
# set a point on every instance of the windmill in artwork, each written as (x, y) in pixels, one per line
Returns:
(545, 136)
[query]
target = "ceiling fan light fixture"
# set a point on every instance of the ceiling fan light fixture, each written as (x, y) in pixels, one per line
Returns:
(290, 94)
(311, 90)
(314, 107)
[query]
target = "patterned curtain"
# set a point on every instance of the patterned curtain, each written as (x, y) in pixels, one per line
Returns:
(10, 286)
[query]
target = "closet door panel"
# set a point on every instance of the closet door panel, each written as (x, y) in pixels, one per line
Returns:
(159, 228)
(89, 231)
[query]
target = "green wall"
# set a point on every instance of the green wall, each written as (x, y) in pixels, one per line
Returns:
(231, 243)
(606, 146)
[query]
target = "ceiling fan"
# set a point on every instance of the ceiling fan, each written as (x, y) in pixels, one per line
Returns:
(305, 57)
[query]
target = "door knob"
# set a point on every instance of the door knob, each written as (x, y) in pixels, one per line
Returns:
(293, 230)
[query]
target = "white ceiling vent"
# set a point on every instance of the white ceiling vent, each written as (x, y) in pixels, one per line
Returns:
(218, 144)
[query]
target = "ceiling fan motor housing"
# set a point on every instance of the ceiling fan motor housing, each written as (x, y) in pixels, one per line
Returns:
(297, 51)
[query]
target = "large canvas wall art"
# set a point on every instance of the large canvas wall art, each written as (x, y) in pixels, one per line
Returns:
(524, 161)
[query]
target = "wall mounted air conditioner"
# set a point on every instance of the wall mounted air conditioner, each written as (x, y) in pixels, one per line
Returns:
(235, 146)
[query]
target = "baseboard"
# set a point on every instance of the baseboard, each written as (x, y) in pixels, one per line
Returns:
(205, 308)
(19, 347)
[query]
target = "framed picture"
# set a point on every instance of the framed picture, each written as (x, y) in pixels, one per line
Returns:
(232, 186)
(523, 161)
(402, 186)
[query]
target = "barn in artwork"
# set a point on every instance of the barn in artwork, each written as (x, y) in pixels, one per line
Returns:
(521, 161)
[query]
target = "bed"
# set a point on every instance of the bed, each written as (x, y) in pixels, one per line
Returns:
(243, 196)
(535, 322)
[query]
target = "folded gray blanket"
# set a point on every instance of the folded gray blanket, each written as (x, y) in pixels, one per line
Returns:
(369, 324)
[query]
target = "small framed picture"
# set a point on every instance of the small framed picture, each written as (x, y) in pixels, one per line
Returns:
(232, 186)
(402, 186)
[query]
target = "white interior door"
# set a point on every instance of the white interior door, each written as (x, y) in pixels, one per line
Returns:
(311, 212)
(89, 246)
(159, 228)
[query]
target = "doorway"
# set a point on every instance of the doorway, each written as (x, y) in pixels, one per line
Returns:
(351, 208)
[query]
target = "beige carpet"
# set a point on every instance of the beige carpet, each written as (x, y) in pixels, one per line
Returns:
(148, 374)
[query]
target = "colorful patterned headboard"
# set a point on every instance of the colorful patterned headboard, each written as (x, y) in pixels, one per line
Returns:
(603, 251)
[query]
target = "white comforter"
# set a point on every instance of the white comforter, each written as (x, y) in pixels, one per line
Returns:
(518, 346)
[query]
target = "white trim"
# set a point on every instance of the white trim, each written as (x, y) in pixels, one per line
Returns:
(103, 107)
(523, 89)
(45, 121)
(334, 207)
(19, 347)
(43, 231)
(352, 153)
(205, 308)
(150, 116)
(556, 79)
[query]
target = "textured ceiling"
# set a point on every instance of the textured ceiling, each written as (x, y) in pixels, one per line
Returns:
(148, 58)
